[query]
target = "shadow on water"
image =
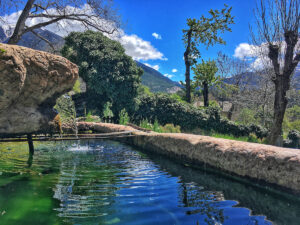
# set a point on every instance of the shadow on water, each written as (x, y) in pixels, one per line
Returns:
(281, 208)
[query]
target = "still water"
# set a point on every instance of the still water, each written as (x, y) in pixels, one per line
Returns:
(105, 182)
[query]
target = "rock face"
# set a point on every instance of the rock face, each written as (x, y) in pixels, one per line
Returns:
(274, 165)
(30, 83)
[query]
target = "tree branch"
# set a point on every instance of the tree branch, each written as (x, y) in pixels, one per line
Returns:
(44, 39)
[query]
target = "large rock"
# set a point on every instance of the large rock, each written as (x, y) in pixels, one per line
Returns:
(30, 83)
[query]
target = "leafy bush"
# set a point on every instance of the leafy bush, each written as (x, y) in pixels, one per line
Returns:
(107, 112)
(293, 140)
(170, 128)
(146, 124)
(170, 111)
(123, 117)
(92, 118)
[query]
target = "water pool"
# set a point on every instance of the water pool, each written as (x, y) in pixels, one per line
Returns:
(105, 182)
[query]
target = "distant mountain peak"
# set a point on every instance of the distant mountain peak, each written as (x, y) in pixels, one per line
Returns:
(156, 81)
(152, 78)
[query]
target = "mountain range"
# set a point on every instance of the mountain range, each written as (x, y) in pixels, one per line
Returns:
(151, 78)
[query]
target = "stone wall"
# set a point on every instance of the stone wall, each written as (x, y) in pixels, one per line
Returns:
(274, 165)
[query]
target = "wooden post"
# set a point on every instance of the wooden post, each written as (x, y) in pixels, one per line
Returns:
(30, 144)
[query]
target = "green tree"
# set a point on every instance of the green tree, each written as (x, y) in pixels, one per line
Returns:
(205, 77)
(110, 74)
(205, 31)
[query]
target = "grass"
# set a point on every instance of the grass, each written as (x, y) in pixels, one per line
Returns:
(252, 138)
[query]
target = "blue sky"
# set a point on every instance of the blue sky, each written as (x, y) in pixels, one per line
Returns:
(168, 17)
(152, 30)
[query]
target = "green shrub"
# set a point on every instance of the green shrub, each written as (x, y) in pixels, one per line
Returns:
(76, 87)
(252, 138)
(146, 124)
(293, 140)
(168, 110)
(123, 117)
(107, 112)
(156, 126)
(92, 118)
(170, 128)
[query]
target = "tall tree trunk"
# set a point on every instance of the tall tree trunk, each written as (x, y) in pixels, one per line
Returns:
(188, 67)
(282, 81)
(205, 94)
(20, 26)
(230, 112)
(280, 103)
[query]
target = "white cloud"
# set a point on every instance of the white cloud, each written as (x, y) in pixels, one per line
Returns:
(156, 67)
(169, 75)
(174, 70)
(156, 36)
(135, 46)
(140, 49)
(256, 54)
(244, 50)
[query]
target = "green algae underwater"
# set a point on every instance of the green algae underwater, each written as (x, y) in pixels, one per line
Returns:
(106, 182)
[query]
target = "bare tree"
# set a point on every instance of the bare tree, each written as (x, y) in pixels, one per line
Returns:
(238, 71)
(277, 28)
(91, 14)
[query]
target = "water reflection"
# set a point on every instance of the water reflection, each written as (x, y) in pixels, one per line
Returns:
(280, 208)
(104, 182)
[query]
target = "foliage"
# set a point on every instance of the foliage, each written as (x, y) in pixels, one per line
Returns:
(2, 50)
(144, 123)
(66, 108)
(92, 118)
(250, 138)
(206, 30)
(156, 127)
(292, 119)
(170, 128)
(169, 111)
(123, 117)
(205, 72)
(205, 77)
(246, 116)
(76, 87)
(107, 112)
(144, 90)
(293, 140)
(110, 75)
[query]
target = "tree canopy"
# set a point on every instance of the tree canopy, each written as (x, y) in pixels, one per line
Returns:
(110, 74)
(205, 31)
(205, 76)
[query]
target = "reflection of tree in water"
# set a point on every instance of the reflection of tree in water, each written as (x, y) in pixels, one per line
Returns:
(87, 186)
(280, 208)
(204, 202)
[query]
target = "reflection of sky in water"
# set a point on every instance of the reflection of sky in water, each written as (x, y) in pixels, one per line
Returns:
(104, 182)
(117, 185)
